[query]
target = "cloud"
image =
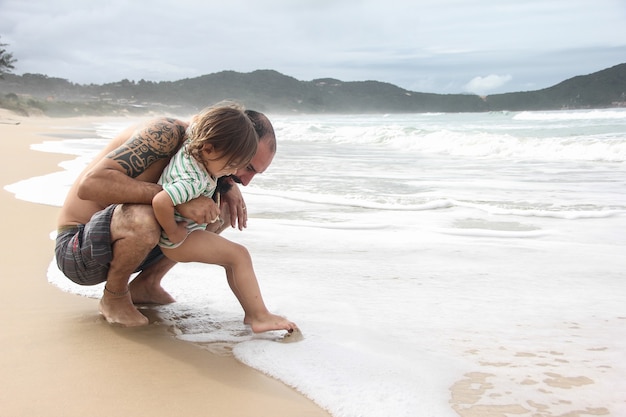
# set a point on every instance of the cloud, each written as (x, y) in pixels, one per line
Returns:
(482, 85)
(428, 46)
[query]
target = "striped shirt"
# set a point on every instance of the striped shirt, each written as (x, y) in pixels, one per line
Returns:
(184, 179)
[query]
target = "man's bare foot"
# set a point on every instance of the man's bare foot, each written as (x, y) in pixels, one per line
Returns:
(269, 322)
(120, 310)
(143, 294)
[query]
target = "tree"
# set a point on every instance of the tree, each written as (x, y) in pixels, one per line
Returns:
(6, 60)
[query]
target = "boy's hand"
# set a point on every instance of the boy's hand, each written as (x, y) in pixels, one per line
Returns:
(179, 234)
(200, 210)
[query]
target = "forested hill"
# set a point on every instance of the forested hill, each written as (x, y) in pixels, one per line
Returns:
(606, 88)
(270, 91)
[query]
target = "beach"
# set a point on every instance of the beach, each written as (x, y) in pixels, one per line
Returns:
(59, 357)
(438, 265)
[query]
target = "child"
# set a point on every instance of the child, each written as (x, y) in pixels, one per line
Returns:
(220, 141)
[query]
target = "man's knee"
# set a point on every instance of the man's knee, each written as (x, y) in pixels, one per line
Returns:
(136, 221)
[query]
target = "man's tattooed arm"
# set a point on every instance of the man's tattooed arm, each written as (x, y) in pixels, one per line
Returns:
(157, 141)
(128, 173)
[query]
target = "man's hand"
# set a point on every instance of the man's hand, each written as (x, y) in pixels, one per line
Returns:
(200, 210)
(234, 207)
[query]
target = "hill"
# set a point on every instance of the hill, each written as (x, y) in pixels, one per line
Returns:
(602, 89)
(270, 91)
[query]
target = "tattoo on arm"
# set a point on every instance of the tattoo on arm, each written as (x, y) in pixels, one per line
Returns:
(157, 141)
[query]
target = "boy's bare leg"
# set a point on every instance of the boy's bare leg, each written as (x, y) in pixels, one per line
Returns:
(239, 271)
(258, 318)
(134, 232)
(146, 287)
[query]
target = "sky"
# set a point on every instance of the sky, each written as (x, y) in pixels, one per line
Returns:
(437, 46)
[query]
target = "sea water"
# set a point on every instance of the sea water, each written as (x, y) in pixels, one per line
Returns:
(437, 264)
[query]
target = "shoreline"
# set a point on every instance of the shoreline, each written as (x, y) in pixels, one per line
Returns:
(61, 358)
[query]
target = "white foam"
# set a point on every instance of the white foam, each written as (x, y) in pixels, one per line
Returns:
(619, 114)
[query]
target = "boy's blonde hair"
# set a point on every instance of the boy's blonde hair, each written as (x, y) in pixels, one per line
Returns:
(228, 129)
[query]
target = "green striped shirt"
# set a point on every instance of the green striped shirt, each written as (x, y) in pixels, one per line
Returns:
(184, 179)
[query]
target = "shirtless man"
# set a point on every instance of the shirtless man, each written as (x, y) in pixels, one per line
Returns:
(107, 229)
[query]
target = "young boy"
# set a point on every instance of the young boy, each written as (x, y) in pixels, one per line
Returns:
(220, 141)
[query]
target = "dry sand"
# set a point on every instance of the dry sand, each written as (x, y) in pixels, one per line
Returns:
(58, 357)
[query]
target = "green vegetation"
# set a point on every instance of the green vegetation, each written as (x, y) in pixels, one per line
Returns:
(602, 89)
(6, 60)
(270, 91)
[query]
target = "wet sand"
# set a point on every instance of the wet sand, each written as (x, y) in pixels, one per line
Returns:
(59, 357)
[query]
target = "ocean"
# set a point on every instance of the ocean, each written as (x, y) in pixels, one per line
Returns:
(437, 264)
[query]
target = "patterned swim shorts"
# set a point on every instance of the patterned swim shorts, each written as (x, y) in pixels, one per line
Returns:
(84, 252)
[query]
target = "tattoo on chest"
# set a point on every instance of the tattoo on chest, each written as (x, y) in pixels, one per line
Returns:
(155, 142)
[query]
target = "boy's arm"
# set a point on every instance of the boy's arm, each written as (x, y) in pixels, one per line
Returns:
(164, 213)
(129, 172)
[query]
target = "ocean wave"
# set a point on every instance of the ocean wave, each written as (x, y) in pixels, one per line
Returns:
(571, 115)
(283, 198)
(80, 147)
(489, 145)
(518, 234)
(475, 138)
(565, 212)
(282, 201)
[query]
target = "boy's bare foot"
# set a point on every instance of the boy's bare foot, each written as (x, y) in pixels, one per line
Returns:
(119, 309)
(292, 337)
(143, 294)
(269, 322)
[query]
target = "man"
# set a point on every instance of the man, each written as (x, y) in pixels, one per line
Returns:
(107, 229)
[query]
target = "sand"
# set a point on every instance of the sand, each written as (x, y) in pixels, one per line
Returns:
(58, 357)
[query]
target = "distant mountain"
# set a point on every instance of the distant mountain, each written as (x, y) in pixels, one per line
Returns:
(270, 91)
(606, 88)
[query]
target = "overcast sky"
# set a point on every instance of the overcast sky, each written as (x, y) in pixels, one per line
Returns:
(440, 46)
